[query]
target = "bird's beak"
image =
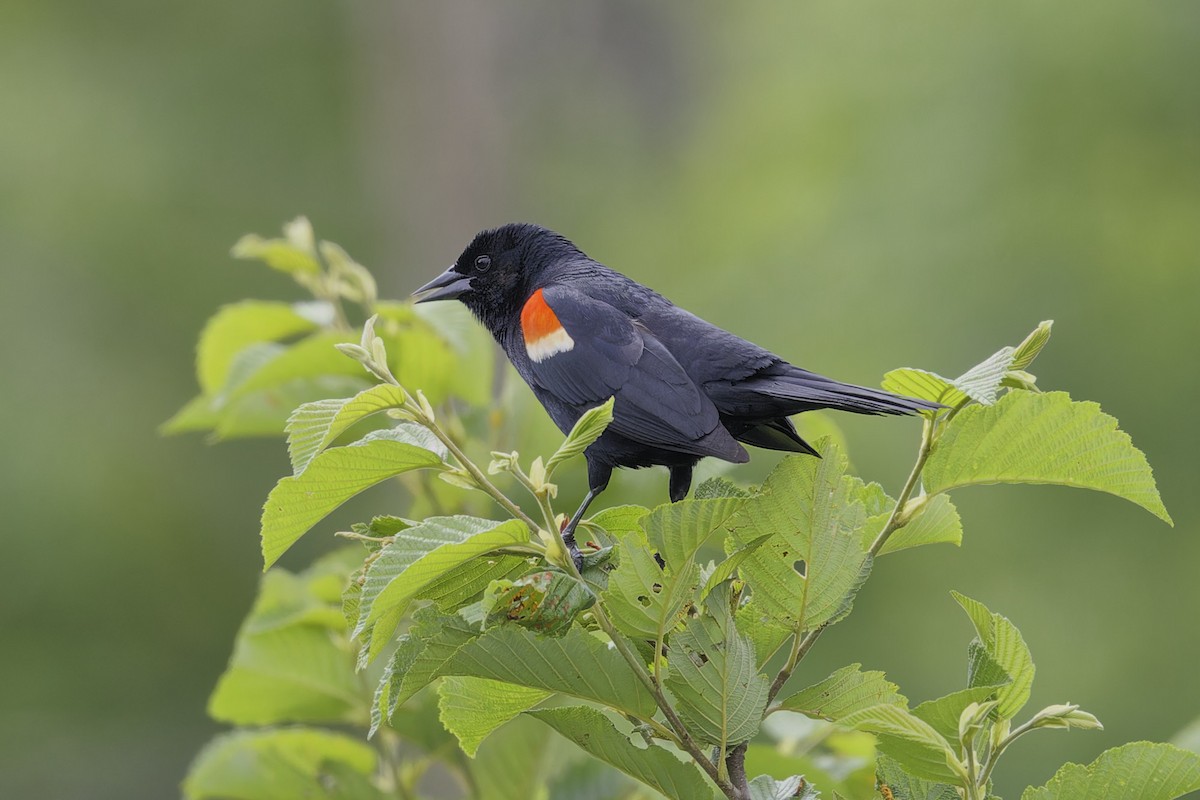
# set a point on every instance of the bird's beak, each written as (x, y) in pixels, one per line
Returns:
(447, 286)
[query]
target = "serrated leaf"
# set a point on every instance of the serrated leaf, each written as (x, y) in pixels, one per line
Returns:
(264, 412)
(653, 766)
(619, 521)
(714, 488)
(1029, 437)
(586, 431)
(466, 583)
(1137, 771)
(890, 775)
(943, 713)
(678, 530)
(807, 573)
(714, 677)
(425, 552)
(644, 600)
(847, 690)
(331, 478)
(1006, 647)
(920, 749)
(764, 787)
(282, 765)
(314, 426)
(982, 381)
(237, 326)
(429, 644)
(471, 708)
(544, 602)
(575, 664)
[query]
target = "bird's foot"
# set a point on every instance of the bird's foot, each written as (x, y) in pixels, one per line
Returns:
(568, 538)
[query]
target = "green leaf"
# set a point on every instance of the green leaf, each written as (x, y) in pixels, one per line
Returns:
(264, 412)
(644, 600)
(471, 708)
(726, 569)
(847, 690)
(714, 488)
(1029, 437)
(764, 787)
(763, 631)
(290, 662)
(587, 430)
(619, 521)
(678, 530)
(924, 385)
(466, 583)
(903, 786)
(577, 664)
(920, 749)
(807, 573)
(714, 677)
(1005, 646)
(265, 366)
(429, 644)
(1029, 349)
(982, 381)
(294, 255)
(545, 602)
(652, 765)
(1137, 771)
(937, 522)
(425, 552)
(237, 326)
(517, 765)
(943, 713)
(331, 478)
(282, 765)
(314, 426)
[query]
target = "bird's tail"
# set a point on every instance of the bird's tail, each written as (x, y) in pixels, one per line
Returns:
(810, 391)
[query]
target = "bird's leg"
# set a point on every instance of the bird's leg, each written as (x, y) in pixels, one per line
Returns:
(568, 533)
(681, 481)
(598, 477)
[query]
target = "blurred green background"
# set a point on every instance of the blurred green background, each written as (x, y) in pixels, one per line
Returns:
(856, 186)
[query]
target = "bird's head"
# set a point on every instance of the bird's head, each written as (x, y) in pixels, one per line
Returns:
(500, 269)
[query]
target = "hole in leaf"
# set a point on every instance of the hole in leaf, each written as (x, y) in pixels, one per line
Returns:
(645, 601)
(656, 588)
(659, 560)
(801, 568)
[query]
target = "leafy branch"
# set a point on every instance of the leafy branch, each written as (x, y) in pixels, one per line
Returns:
(672, 623)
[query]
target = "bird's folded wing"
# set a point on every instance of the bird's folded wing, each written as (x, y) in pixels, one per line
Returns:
(610, 355)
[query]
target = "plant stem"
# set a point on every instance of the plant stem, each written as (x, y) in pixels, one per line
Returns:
(472, 469)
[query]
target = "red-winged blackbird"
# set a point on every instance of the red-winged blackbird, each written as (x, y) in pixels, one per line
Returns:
(580, 333)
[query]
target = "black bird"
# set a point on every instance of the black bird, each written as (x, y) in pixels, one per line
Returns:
(580, 333)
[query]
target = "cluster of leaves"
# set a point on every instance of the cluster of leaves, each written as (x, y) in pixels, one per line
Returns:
(668, 657)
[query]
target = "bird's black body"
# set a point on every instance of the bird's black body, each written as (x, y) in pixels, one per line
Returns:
(579, 333)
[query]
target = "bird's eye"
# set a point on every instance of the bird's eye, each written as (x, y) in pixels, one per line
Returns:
(483, 263)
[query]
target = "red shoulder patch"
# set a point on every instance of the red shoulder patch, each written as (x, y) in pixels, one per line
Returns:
(538, 320)
(544, 334)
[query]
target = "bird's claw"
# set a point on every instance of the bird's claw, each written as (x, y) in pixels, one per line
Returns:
(568, 539)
